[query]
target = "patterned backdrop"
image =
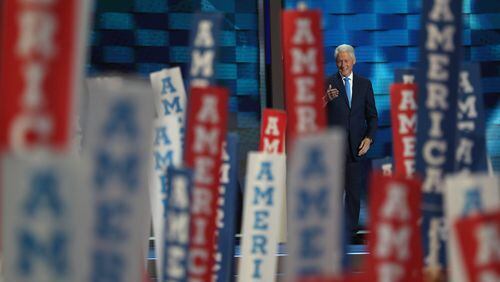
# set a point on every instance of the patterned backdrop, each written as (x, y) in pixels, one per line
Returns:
(143, 36)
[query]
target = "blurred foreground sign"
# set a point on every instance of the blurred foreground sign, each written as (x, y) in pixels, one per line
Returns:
(466, 195)
(41, 68)
(118, 142)
(394, 244)
(46, 217)
(316, 184)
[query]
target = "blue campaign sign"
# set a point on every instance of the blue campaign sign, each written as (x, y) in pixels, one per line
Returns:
(407, 75)
(204, 43)
(226, 219)
(176, 233)
(440, 58)
(471, 135)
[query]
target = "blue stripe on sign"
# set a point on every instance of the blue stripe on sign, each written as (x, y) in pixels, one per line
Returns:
(116, 21)
(485, 53)
(118, 54)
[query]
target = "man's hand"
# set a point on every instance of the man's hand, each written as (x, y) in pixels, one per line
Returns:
(331, 93)
(364, 146)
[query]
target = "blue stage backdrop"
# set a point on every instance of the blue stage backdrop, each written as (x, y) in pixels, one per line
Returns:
(143, 36)
(385, 34)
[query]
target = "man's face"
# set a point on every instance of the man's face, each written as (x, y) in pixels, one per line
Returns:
(345, 63)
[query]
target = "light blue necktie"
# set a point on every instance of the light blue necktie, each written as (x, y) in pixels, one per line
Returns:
(348, 90)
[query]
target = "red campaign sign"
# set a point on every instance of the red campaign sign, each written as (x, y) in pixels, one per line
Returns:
(479, 238)
(205, 133)
(394, 243)
(350, 277)
(272, 131)
(303, 72)
(404, 125)
(40, 64)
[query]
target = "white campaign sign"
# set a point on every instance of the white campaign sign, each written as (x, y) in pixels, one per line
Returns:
(264, 187)
(315, 213)
(467, 194)
(118, 142)
(46, 217)
(170, 94)
(166, 152)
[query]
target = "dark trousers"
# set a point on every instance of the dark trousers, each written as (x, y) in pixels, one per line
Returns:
(354, 177)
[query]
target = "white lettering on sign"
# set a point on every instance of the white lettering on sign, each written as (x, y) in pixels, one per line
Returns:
(38, 28)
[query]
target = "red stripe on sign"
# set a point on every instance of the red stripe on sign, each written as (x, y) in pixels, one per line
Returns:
(404, 127)
(479, 238)
(38, 65)
(394, 243)
(205, 133)
(272, 131)
(303, 72)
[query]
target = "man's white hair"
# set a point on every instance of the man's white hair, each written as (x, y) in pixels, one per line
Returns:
(345, 48)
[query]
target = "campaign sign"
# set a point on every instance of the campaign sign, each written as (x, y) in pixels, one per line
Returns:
(170, 94)
(176, 222)
(166, 153)
(384, 165)
(394, 243)
(205, 133)
(204, 43)
(479, 238)
(466, 195)
(315, 212)
(471, 152)
(226, 214)
(303, 72)
(406, 76)
(440, 59)
(404, 126)
(46, 217)
(41, 68)
(265, 180)
(118, 142)
(272, 131)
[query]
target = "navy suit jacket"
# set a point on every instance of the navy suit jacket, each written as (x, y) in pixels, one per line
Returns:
(361, 119)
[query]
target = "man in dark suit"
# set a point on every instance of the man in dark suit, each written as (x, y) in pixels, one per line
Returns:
(350, 104)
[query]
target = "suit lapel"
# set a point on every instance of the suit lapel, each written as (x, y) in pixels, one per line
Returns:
(341, 87)
(356, 90)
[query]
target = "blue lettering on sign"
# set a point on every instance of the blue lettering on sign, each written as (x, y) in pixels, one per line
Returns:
(307, 200)
(108, 267)
(44, 192)
(54, 253)
(472, 202)
(167, 86)
(260, 217)
(265, 195)
(121, 120)
(108, 225)
(265, 170)
(259, 243)
(125, 169)
(310, 247)
(174, 106)
(315, 163)
(256, 269)
(163, 160)
(161, 136)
